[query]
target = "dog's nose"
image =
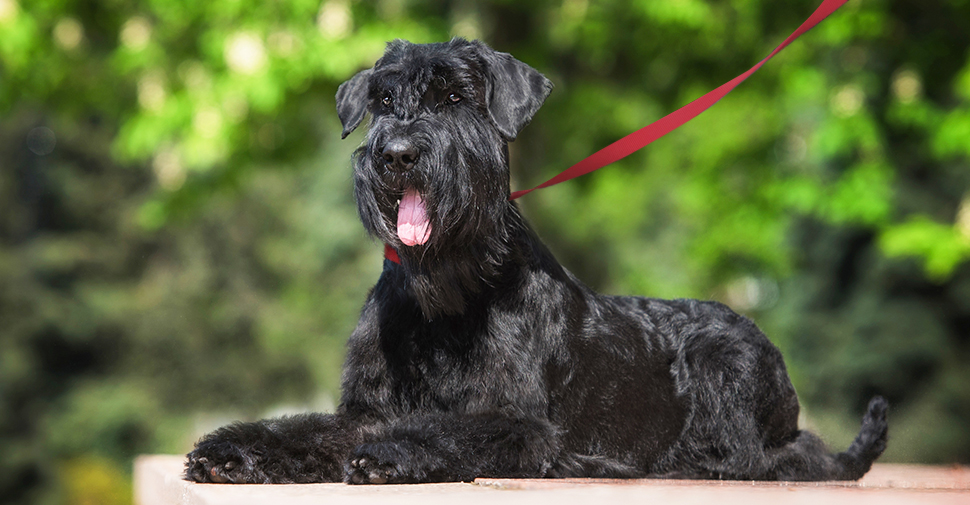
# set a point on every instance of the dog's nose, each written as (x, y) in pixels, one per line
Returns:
(400, 155)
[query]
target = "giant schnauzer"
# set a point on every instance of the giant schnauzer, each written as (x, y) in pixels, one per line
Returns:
(478, 355)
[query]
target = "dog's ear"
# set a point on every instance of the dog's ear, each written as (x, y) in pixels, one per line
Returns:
(352, 101)
(517, 92)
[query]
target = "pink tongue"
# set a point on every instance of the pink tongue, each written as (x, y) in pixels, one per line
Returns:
(413, 227)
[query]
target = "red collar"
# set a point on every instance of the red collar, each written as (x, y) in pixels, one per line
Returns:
(391, 254)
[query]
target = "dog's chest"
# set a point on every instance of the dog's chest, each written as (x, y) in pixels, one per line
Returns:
(458, 375)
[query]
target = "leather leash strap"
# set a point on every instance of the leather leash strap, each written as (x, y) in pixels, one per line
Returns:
(644, 136)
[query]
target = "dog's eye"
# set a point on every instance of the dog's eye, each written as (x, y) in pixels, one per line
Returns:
(387, 100)
(454, 98)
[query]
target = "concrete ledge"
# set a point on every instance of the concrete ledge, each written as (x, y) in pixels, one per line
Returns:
(158, 481)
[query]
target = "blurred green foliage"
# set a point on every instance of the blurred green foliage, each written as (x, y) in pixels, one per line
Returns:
(179, 246)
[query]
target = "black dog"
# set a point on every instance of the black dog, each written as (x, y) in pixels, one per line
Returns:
(479, 355)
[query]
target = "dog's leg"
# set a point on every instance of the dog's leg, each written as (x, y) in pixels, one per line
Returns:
(304, 448)
(454, 447)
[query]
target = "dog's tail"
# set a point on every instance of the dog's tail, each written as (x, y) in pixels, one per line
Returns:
(868, 444)
(807, 459)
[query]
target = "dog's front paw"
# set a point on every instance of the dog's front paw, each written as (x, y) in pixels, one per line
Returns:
(222, 457)
(382, 463)
(220, 471)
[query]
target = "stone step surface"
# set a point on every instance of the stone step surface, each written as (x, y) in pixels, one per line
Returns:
(158, 481)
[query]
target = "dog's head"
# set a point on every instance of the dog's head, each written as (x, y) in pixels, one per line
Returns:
(432, 177)
(435, 162)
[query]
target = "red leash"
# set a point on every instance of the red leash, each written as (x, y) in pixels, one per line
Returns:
(644, 136)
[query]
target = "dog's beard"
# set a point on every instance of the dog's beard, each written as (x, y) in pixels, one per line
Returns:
(450, 229)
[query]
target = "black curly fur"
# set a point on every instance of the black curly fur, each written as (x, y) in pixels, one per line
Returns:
(479, 355)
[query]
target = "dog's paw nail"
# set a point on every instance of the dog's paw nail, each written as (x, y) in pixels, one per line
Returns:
(217, 477)
(203, 460)
(230, 465)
